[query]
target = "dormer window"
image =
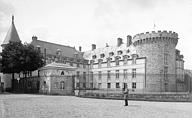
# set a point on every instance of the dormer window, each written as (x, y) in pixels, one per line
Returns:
(58, 52)
(94, 57)
(38, 48)
(102, 55)
(111, 53)
(120, 52)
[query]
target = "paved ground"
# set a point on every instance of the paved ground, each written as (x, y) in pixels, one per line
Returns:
(41, 106)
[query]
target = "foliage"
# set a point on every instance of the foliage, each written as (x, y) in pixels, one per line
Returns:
(17, 58)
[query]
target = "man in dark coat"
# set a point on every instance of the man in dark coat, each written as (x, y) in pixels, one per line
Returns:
(126, 95)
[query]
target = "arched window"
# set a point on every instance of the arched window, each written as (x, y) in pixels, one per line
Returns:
(102, 55)
(62, 85)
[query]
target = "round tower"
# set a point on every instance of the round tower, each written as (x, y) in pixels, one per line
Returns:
(159, 50)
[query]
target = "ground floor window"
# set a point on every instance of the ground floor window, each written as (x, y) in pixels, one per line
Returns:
(77, 85)
(108, 85)
(62, 85)
(134, 85)
(117, 85)
(125, 85)
(84, 85)
(99, 85)
(91, 85)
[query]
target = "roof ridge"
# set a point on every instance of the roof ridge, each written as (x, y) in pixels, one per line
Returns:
(55, 43)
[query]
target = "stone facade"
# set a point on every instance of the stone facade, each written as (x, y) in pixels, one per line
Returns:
(160, 65)
(159, 49)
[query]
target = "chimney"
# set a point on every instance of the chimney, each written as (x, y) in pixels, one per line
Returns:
(34, 38)
(80, 48)
(93, 46)
(129, 40)
(119, 41)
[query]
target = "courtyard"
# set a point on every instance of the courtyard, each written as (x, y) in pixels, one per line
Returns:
(44, 106)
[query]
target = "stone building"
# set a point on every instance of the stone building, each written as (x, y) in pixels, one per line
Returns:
(12, 36)
(157, 64)
(64, 54)
(148, 62)
(57, 78)
(116, 67)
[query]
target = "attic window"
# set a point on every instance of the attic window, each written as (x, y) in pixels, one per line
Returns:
(128, 51)
(120, 52)
(102, 55)
(111, 53)
(38, 47)
(94, 56)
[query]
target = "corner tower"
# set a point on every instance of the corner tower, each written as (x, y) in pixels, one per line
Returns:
(159, 50)
(12, 35)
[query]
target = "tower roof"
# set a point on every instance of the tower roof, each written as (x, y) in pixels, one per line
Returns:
(12, 34)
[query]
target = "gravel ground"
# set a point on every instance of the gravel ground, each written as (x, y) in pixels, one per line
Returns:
(42, 106)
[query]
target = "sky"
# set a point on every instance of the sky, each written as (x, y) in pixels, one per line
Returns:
(85, 22)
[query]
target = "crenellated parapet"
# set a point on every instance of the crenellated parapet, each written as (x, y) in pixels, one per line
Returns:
(155, 36)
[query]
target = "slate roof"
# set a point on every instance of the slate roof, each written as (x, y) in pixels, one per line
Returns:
(12, 34)
(52, 48)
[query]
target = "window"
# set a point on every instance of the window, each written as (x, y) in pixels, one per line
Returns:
(125, 60)
(91, 85)
(78, 75)
(91, 74)
(108, 62)
(108, 85)
(117, 61)
(99, 75)
(62, 85)
(134, 85)
(133, 73)
(71, 64)
(84, 85)
(108, 74)
(125, 73)
(134, 61)
(84, 65)
(94, 57)
(77, 85)
(91, 64)
(99, 63)
(102, 55)
(117, 73)
(111, 53)
(84, 75)
(165, 58)
(166, 73)
(99, 85)
(128, 51)
(125, 85)
(134, 58)
(78, 65)
(117, 85)
(120, 52)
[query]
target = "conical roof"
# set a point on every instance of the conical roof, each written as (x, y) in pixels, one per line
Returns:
(12, 34)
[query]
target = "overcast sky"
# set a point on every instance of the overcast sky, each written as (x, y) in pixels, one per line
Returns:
(84, 22)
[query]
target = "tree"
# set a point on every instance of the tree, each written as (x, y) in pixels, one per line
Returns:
(31, 58)
(17, 58)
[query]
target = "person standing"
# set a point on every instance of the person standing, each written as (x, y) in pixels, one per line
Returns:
(126, 95)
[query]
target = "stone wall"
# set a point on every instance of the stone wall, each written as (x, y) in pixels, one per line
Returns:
(164, 97)
(155, 46)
